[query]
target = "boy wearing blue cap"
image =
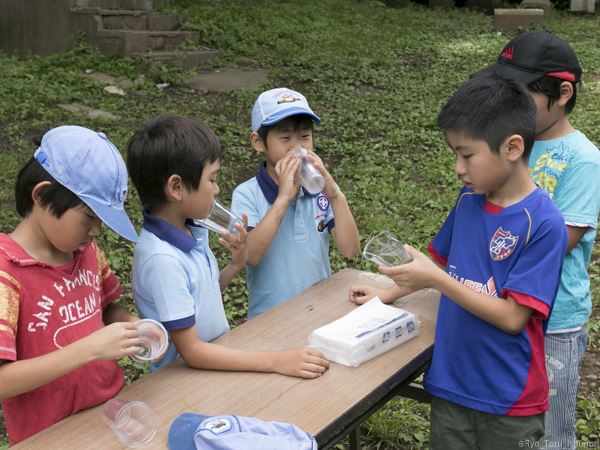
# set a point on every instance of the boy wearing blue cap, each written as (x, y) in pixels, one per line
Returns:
(173, 162)
(288, 227)
(60, 330)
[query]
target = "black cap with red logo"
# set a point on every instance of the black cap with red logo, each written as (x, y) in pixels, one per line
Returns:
(536, 54)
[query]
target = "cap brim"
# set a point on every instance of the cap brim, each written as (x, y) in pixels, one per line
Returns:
(182, 430)
(509, 72)
(285, 113)
(116, 219)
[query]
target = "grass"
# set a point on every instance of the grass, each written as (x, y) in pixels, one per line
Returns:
(376, 75)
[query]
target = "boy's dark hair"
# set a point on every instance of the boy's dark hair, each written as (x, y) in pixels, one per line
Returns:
(491, 108)
(56, 197)
(169, 145)
(550, 87)
(297, 122)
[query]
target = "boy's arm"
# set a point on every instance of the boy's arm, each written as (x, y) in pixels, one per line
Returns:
(575, 235)
(236, 244)
(345, 232)
(111, 342)
(299, 362)
(116, 313)
(362, 293)
(504, 313)
(261, 236)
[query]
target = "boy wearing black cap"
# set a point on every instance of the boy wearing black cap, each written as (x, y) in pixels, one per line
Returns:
(565, 164)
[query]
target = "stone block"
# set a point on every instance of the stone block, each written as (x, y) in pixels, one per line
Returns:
(587, 6)
(513, 19)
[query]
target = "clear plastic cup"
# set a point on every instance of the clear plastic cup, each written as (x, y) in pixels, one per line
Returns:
(385, 249)
(310, 178)
(134, 423)
(220, 220)
(155, 340)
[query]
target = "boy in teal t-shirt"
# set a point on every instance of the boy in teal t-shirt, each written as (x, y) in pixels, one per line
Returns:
(565, 164)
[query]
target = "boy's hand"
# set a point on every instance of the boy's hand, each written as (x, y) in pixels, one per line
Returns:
(301, 362)
(362, 293)
(113, 341)
(418, 274)
(236, 244)
(331, 189)
(286, 169)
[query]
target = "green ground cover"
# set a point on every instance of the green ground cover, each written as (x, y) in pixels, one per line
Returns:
(376, 75)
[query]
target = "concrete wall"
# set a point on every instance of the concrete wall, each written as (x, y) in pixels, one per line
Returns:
(41, 27)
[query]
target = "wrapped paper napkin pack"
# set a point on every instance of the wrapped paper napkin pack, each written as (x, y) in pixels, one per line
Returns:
(370, 330)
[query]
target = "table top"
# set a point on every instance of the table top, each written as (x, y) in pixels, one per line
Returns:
(324, 407)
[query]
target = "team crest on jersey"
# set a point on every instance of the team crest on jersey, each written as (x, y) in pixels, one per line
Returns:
(322, 202)
(502, 244)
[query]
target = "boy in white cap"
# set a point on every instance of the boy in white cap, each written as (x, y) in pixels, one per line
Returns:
(288, 239)
(60, 330)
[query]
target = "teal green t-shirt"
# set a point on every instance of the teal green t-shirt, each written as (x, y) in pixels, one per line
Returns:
(568, 168)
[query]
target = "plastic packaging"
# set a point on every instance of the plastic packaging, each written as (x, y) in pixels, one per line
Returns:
(310, 178)
(370, 330)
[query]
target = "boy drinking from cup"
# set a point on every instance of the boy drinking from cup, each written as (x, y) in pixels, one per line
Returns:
(496, 260)
(289, 226)
(60, 330)
(174, 162)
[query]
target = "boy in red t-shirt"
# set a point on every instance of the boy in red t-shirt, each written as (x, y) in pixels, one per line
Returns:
(57, 350)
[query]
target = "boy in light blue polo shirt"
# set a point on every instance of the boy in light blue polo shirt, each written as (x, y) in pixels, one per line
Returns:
(288, 238)
(173, 163)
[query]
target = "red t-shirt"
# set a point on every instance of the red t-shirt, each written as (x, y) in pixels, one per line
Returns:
(42, 309)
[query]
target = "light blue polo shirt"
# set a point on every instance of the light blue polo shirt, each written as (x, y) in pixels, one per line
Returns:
(175, 280)
(568, 168)
(298, 256)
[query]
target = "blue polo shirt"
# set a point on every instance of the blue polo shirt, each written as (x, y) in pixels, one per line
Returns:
(175, 280)
(298, 256)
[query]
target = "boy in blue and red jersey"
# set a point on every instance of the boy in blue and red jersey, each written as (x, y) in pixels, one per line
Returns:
(499, 256)
(566, 164)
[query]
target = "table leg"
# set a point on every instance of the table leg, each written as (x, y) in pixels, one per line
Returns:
(354, 436)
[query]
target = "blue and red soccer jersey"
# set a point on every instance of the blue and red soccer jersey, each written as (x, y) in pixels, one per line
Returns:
(515, 251)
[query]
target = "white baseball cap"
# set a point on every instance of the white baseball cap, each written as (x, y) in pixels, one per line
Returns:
(277, 104)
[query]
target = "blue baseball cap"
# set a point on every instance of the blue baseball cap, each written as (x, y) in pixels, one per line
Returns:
(90, 166)
(197, 432)
(277, 104)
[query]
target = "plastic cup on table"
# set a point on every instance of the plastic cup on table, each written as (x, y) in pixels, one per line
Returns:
(155, 340)
(133, 422)
(385, 249)
(220, 219)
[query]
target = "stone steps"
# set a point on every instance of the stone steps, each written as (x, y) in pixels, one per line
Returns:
(129, 5)
(132, 41)
(129, 27)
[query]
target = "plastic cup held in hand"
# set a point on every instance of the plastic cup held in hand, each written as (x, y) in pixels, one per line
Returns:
(220, 219)
(310, 178)
(134, 423)
(155, 340)
(386, 250)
